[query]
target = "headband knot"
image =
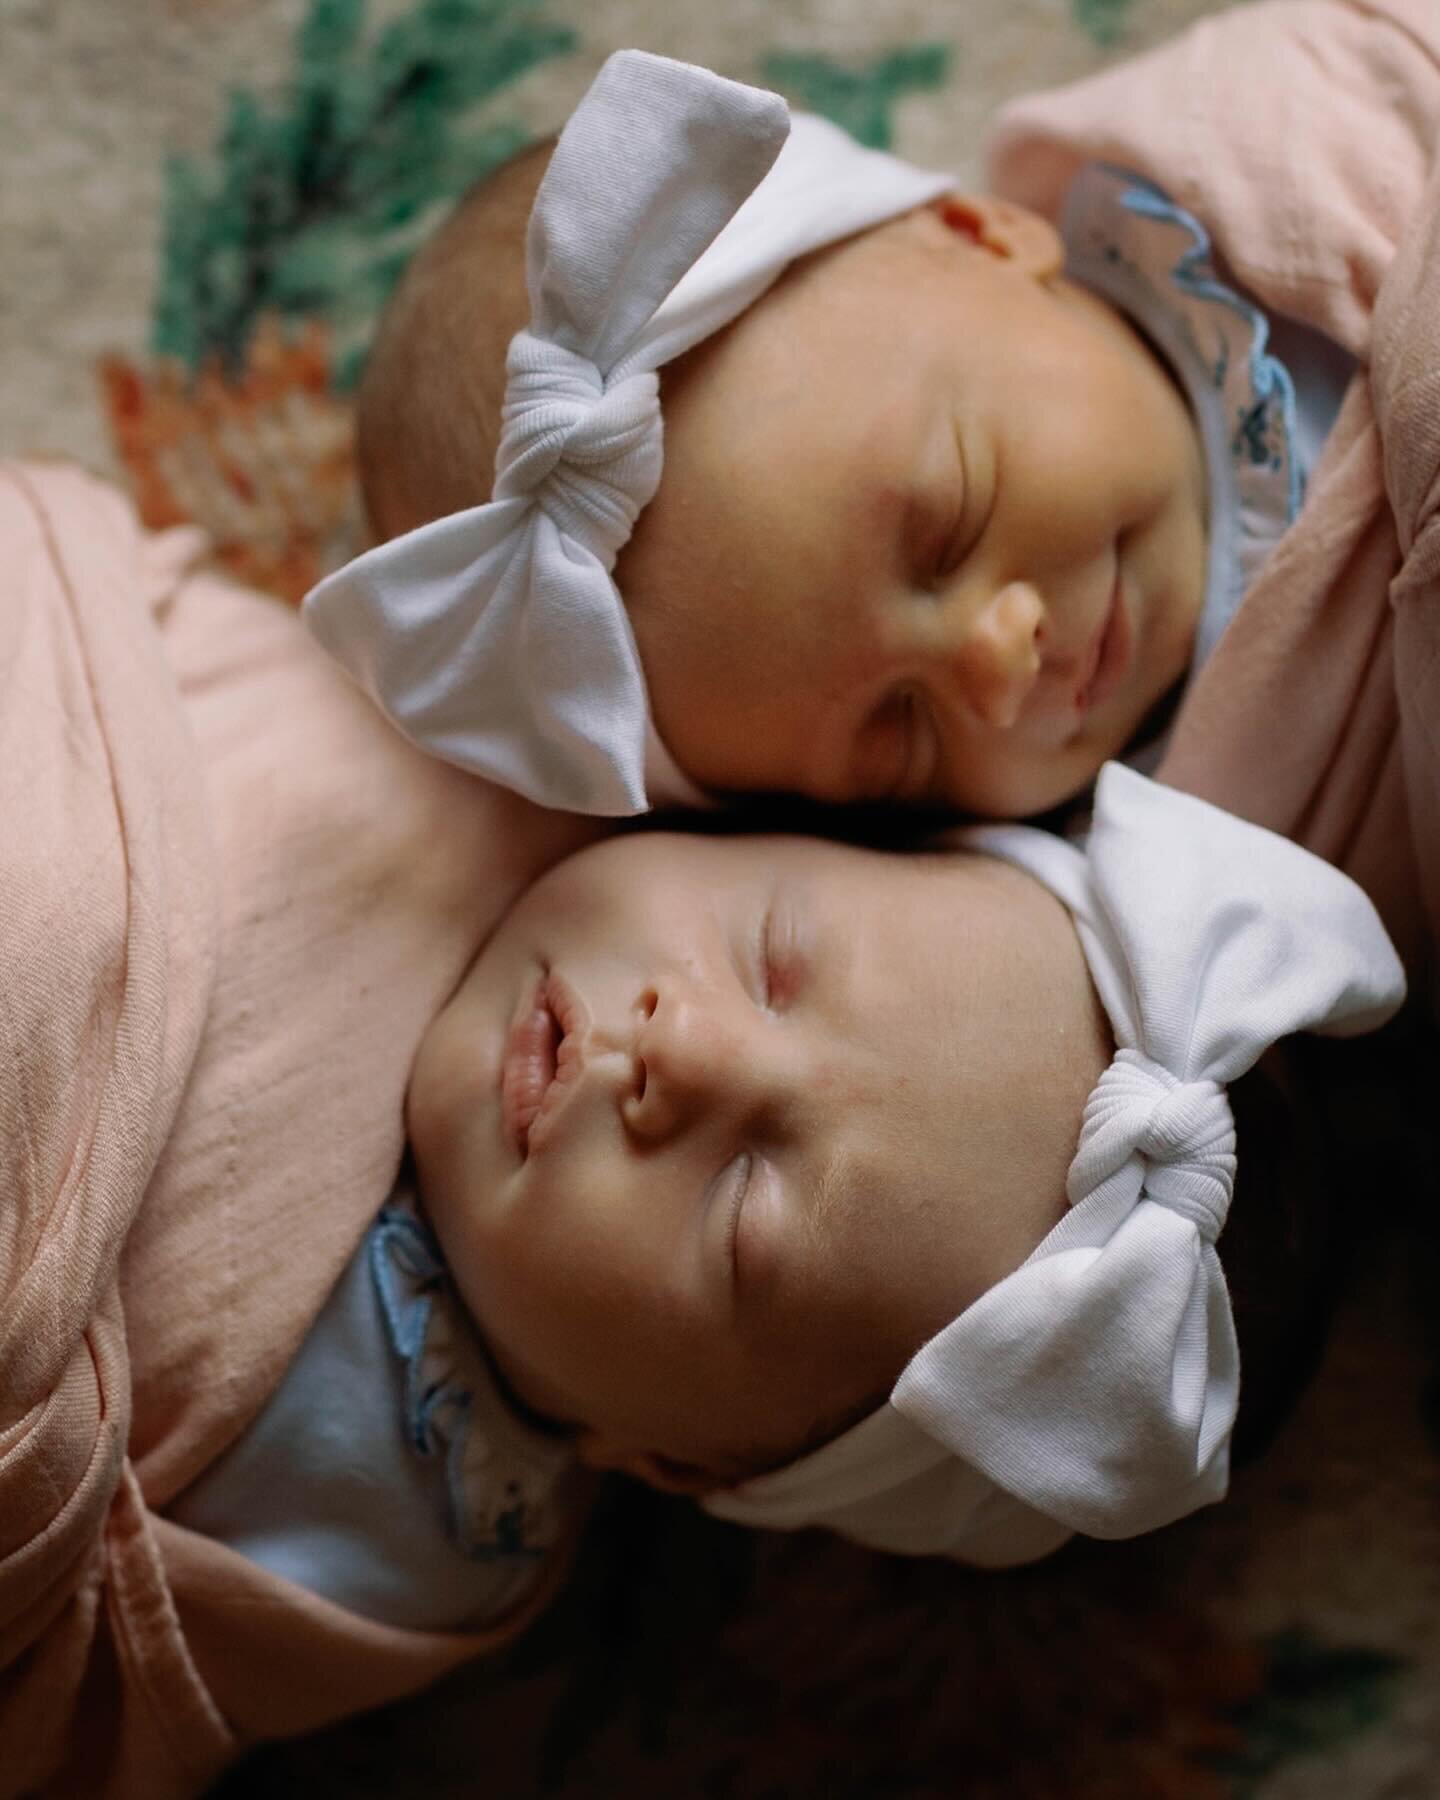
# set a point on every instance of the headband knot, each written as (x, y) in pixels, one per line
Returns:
(1183, 1129)
(586, 453)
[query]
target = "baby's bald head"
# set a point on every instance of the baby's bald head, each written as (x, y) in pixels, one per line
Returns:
(429, 404)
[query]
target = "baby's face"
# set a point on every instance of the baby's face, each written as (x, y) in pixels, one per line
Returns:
(931, 528)
(717, 1132)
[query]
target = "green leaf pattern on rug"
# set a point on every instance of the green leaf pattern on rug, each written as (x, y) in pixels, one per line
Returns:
(1317, 1696)
(1102, 21)
(861, 99)
(311, 207)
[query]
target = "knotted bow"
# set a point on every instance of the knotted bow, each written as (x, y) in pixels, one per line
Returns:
(1095, 1387)
(588, 455)
(496, 638)
(1176, 1136)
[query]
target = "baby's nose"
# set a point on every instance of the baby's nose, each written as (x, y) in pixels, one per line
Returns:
(672, 1073)
(997, 659)
(695, 1060)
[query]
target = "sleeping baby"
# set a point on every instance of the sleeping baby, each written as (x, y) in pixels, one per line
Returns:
(833, 1186)
(957, 494)
(883, 1192)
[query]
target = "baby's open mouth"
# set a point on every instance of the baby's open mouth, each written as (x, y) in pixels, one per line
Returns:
(532, 1055)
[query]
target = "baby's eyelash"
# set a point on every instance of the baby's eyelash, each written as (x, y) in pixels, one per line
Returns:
(904, 710)
(953, 551)
(737, 1201)
(781, 950)
(764, 955)
(968, 527)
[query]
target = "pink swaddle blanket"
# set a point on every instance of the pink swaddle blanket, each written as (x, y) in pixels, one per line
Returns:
(233, 898)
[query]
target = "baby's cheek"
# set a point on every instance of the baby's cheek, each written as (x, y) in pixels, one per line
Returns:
(718, 743)
(733, 686)
(500, 1286)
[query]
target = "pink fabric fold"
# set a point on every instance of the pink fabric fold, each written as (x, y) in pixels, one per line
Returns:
(108, 893)
(1303, 135)
(233, 899)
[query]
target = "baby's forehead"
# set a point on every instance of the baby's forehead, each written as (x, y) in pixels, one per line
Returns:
(864, 851)
(860, 278)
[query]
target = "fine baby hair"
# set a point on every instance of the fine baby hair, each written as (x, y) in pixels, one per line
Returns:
(428, 409)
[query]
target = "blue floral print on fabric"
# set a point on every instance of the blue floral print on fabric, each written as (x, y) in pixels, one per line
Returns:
(1265, 420)
(1153, 260)
(501, 1474)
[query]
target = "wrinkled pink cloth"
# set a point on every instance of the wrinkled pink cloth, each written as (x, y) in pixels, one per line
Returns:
(233, 898)
(1304, 134)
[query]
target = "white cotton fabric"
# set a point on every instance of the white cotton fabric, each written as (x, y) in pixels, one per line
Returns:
(1094, 1389)
(496, 638)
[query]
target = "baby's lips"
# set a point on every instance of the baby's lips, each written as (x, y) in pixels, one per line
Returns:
(532, 1050)
(1112, 652)
(553, 1040)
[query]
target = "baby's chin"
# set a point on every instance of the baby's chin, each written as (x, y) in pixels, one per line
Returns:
(1133, 724)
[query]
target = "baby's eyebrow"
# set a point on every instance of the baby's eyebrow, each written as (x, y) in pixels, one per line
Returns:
(935, 496)
(874, 463)
(887, 507)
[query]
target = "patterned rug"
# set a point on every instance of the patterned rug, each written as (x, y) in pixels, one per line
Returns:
(202, 207)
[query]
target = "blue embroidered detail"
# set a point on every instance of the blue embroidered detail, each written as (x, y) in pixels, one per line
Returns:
(1128, 242)
(1265, 425)
(499, 1505)
(399, 1243)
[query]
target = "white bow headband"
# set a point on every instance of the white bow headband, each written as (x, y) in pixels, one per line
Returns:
(495, 638)
(1094, 1389)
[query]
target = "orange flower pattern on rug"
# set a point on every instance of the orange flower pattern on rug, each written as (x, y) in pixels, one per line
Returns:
(262, 458)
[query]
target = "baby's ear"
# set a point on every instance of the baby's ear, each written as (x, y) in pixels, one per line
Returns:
(663, 1472)
(1012, 233)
